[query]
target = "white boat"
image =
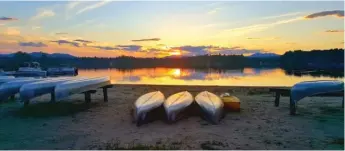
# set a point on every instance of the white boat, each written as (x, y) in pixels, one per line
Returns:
(146, 103)
(11, 88)
(66, 89)
(63, 70)
(4, 79)
(211, 105)
(309, 88)
(31, 69)
(35, 89)
(177, 103)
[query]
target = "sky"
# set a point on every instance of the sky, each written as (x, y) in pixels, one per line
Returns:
(160, 28)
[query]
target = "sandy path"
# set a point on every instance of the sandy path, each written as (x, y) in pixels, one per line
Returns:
(259, 125)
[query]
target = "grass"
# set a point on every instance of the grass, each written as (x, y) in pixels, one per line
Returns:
(116, 145)
(43, 110)
(214, 145)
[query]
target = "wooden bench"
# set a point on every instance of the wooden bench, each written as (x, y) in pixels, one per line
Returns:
(287, 91)
(105, 93)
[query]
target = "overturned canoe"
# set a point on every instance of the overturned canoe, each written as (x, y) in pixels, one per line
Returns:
(177, 103)
(4, 79)
(11, 88)
(211, 105)
(35, 89)
(68, 88)
(146, 103)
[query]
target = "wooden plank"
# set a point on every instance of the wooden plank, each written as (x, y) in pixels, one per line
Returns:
(88, 95)
(276, 101)
(52, 96)
(105, 92)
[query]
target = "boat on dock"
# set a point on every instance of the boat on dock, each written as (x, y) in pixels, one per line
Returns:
(32, 69)
(35, 89)
(176, 103)
(11, 88)
(68, 88)
(146, 103)
(211, 105)
(62, 70)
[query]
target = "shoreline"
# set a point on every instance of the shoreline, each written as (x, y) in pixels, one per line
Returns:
(259, 125)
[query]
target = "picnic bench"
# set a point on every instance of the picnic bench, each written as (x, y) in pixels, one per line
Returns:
(287, 91)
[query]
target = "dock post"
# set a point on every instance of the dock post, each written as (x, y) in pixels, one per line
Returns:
(87, 97)
(292, 107)
(52, 97)
(105, 94)
(26, 103)
(276, 101)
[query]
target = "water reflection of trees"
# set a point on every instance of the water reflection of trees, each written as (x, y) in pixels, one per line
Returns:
(316, 73)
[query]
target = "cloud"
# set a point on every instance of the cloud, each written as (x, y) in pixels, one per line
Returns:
(7, 19)
(258, 27)
(203, 50)
(282, 15)
(94, 6)
(337, 13)
(214, 11)
(83, 41)
(129, 47)
(73, 4)
(258, 38)
(35, 27)
(32, 44)
(105, 47)
(13, 31)
(60, 42)
(61, 33)
(334, 31)
(151, 39)
(43, 13)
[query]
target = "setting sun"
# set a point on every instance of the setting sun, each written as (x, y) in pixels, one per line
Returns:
(175, 53)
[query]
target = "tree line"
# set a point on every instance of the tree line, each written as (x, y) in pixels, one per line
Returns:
(292, 60)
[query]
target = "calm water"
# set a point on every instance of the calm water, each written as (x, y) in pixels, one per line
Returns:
(176, 76)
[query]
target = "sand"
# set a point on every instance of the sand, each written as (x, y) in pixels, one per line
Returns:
(319, 123)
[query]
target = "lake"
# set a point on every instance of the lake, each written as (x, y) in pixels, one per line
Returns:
(179, 76)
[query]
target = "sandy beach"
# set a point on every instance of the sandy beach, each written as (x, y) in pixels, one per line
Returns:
(72, 124)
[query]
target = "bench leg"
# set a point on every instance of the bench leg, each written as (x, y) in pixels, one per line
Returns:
(105, 94)
(276, 101)
(26, 103)
(292, 107)
(12, 97)
(87, 97)
(52, 97)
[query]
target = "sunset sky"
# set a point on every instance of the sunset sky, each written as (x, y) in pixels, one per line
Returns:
(159, 29)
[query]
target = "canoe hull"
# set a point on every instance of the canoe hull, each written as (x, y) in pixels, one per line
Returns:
(11, 88)
(211, 105)
(147, 103)
(35, 89)
(177, 103)
(66, 89)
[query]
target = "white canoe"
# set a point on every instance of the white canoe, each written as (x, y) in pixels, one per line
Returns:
(177, 103)
(146, 103)
(4, 79)
(11, 88)
(211, 104)
(35, 89)
(68, 88)
(309, 88)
